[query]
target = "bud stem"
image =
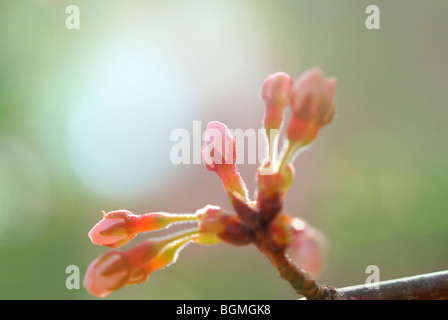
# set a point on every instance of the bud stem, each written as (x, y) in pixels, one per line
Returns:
(232, 181)
(272, 137)
(146, 222)
(187, 235)
(289, 154)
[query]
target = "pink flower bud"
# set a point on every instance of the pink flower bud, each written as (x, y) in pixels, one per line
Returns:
(305, 245)
(116, 269)
(308, 247)
(275, 92)
(219, 146)
(312, 101)
(100, 285)
(276, 89)
(219, 154)
(114, 229)
(120, 226)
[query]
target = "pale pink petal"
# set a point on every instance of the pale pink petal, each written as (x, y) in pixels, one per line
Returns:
(330, 83)
(310, 85)
(276, 89)
(308, 250)
(107, 240)
(219, 141)
(99, 285)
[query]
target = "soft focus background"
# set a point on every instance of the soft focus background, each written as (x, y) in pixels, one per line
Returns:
(86, 117)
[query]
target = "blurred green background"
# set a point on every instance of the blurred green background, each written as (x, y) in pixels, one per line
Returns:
(86, 117)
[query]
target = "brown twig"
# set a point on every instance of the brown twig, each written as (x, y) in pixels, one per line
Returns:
(301, 280)
(430, 286)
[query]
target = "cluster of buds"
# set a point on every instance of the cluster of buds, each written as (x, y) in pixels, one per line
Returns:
(281, 237)
(311, 98)
(116, 269)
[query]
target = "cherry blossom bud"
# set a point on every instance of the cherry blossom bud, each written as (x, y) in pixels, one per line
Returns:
(276, 92)
(114, 229)
(219, 147)
(312, 101)
(308, 247)
(219, 154)
(116, 269)
(99, 285)
(305, 245)
(120, 226)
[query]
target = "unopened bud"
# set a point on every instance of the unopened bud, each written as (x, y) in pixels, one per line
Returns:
(219, 154)
(219, 146)
(276, 92)
(114, 229)
(312, 102)
(120, 226)
(308, 248)
(116, 269)
(304, 244)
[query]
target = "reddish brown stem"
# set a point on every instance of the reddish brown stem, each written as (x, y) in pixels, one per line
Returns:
(301, 280)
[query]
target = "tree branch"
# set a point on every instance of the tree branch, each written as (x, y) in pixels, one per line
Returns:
(430, 286)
